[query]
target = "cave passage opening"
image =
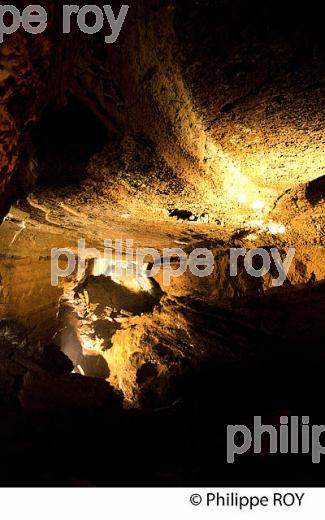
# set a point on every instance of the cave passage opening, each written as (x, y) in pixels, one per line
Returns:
(95, 309)
(64, 141)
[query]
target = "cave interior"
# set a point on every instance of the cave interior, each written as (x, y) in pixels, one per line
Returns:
(203, 126)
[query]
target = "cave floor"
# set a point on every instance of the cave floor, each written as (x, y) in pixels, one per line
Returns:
(69, 430)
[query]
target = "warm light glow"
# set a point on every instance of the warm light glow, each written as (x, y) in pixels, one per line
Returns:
(90, 345)
(239, 187)
(242, 199)
(269, 226)
(134, 283)
(130, 275)
(258, 205)
(276, 228)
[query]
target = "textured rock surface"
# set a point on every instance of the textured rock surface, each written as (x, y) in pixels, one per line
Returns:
(213, 124)
(28, 79)
(197, 129)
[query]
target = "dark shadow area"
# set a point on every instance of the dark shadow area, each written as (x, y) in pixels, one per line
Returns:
(315, 191)
(64, 140)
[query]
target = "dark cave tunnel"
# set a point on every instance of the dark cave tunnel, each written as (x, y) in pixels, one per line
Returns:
(64, 140)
